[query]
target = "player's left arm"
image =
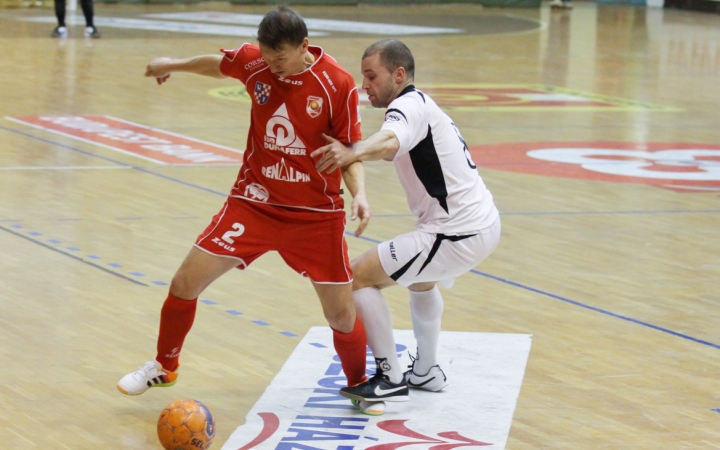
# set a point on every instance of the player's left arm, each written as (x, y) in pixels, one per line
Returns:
(354, 177)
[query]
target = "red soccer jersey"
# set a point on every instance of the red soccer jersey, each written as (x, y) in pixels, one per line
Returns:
(288, 117)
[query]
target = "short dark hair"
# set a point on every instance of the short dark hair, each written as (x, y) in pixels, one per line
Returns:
(393, 54)
(281, 26)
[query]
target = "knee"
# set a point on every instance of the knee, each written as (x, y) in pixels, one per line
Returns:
(343, 320)
(182, 286)
(359, 283)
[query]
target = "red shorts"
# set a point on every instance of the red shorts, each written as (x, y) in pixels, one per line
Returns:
(312, 243)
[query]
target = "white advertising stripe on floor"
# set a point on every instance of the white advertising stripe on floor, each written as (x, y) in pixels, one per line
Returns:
(301, 409)
(345, 26)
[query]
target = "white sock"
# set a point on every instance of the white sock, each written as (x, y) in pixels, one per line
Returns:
(426, 309)
(375, 315)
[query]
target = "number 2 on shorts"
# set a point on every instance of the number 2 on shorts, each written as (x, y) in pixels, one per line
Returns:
(228, 236)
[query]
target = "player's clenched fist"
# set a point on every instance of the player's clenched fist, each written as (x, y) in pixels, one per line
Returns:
(159, 68)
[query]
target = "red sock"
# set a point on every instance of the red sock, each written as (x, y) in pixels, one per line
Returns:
(176, 319)
(350, 347)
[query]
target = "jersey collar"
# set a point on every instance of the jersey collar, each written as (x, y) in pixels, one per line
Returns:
(408, 88)
(317, 52)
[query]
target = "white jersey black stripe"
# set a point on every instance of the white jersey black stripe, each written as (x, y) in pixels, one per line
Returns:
(441, 182)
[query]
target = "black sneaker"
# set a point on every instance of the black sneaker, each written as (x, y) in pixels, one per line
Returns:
(379, 388)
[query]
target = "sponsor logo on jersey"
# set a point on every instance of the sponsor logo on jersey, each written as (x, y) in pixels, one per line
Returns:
(289, 81)
(392, 117)
(314, 106)
(280, 134)
(257, 191)
(330, 81)
(281, 171)
(262, 92)
(254, 63)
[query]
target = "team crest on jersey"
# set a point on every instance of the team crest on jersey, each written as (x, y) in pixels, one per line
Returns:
(262, 92)
(314, 106)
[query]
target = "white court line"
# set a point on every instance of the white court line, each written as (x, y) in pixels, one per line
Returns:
(346, 26)
(63, 167)
(692, 188)
(159, 25)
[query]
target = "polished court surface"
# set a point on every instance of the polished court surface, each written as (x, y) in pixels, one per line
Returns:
(597, 131)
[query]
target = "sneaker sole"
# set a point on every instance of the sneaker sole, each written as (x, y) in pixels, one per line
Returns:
(425, 388)
(140, 393)
(397, 398)
(368, 412)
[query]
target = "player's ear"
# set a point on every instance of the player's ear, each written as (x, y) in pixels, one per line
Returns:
(399, 75)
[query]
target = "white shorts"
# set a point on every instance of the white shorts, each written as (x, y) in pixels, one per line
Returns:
(421, 257)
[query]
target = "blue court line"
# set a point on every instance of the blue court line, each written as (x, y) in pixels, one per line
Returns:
(582, 213)
(238, 313)
(589, 213)
(576, 303)
(512, 283)
(593, 308)
(119, 275)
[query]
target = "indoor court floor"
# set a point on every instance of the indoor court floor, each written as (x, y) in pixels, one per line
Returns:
(596, 129)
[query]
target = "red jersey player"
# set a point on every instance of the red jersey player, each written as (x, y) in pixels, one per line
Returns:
(280, 201)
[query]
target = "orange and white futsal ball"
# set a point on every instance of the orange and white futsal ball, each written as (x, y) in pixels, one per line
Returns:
(186, 425)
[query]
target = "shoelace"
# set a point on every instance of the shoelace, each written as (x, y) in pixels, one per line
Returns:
(146, 371)
(412, 361)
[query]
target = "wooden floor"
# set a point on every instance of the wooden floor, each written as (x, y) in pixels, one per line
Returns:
(618, 282)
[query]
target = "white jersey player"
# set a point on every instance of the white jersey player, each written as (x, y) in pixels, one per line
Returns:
(458, 224)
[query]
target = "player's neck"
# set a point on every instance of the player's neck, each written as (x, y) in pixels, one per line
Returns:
(307, 61)
(400, 88)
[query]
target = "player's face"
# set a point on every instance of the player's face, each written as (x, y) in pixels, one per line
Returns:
(378, 82)
(286, 61)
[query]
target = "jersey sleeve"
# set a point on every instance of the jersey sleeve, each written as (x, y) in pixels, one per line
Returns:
(404, 118)
(346, 126)
(239, 63)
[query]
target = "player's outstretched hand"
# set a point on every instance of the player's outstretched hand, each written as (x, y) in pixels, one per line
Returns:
(159, 68)
(334, 155)
(361, 209)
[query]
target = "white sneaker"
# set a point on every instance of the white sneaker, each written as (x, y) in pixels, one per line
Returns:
(370, 408)
(435, 380)
(150, 375)
(92, 32)
(59, 32)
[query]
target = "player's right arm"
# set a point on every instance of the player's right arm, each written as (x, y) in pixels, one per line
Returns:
(381, 145)
(161, 68)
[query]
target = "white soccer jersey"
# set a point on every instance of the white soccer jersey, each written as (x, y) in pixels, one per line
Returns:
(441, 182)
